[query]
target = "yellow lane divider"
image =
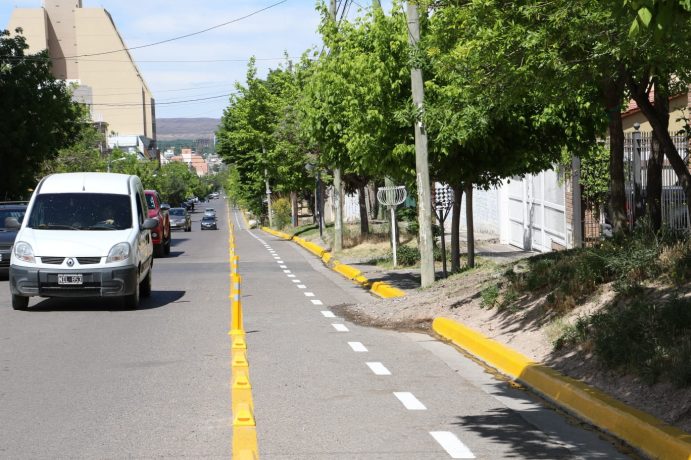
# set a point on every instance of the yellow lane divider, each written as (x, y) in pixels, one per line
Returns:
(245, 445)
(379, 288)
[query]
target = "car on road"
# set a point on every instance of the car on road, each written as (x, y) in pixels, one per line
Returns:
(11, 216)
(180, 219)
(84, 235)
(211, 212)
(161, 234)
(208, 223)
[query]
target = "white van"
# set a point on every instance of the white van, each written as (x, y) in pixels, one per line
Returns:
(84, 235)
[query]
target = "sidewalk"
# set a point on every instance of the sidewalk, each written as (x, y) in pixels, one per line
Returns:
(486, 246)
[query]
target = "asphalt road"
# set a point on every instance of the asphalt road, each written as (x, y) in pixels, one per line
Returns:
(85, 379)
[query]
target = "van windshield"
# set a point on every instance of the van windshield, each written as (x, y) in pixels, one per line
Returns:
(81, 211)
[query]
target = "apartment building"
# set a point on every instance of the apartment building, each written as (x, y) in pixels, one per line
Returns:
(87, 50)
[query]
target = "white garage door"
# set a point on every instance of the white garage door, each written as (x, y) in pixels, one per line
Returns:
(536, 212)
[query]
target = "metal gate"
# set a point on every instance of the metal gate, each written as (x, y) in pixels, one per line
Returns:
(537, 213)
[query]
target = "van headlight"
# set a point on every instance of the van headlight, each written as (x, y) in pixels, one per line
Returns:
(119, 252)
(24, 252)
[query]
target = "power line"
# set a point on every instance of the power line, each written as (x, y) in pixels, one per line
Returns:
(139, 104)
(181, 36)
(164, 61)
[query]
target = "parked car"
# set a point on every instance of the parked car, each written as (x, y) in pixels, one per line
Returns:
(11, 216)
(180, 218)
(84, 235)
(208, 223)
(161, 234)
(188, 205)
(211, 212)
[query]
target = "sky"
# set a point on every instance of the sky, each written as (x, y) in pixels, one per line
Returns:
(290, 27)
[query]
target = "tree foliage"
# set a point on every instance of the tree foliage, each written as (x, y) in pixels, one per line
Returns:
(38, 116)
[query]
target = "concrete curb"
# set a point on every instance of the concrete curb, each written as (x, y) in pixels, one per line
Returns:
(378, 288)
(639, 429)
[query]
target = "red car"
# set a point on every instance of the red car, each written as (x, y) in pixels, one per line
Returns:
(161, 234)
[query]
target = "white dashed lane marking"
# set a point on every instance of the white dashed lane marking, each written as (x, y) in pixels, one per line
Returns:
(317, 302)
(290, 276)
(283, 266)
(328, 314)
(378, 369)
(302, 286)
(357, 347)
(451, 444)
(340, 327)
(286, 271)
(309, 294)
(409, 400)
(296, 281)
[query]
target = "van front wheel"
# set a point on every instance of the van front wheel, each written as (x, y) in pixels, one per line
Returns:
(19, 302)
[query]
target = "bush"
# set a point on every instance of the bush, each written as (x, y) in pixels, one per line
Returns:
(282, 213)
(407, 255)
(648, 339)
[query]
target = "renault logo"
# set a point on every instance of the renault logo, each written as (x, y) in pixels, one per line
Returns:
(70, 262)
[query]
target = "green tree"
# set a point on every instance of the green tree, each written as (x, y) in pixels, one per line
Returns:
(83, 155)
(38, 116)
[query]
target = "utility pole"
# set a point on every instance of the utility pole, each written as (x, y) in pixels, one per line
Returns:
(421, 164)
(268, 189)
(338, 185)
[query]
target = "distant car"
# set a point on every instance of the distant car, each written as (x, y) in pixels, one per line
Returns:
(11, 217)
(211, 212)
(180, 218)
(208, 223)
(189, 205)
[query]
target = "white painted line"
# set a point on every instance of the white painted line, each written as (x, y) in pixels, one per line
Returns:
(302, 286)
(409, 400)
(309, 294)
(296, 281)
(291, 276)
(283, 266)
(340, 327)
(378, 369)
(328, 314)
(279, 261)
(286, 271)
(317, 302)
(358, 347)
(277, 257)
(451, 444)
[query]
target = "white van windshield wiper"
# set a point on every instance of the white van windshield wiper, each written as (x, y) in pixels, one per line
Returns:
(56, 227)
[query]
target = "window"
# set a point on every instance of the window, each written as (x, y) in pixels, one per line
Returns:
(140, 208)
(81, 211)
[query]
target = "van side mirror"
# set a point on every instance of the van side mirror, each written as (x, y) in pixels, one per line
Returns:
(149, 224)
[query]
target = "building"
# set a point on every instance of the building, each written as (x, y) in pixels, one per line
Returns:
(87, 51)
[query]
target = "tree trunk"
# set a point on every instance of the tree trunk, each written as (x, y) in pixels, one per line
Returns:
(364, 221)
(456, 228)
(617, 198)
(660, 123)
(469, 224)
(657, 157)
(294, 206)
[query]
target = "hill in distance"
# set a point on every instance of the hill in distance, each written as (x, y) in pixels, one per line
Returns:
(169, 129)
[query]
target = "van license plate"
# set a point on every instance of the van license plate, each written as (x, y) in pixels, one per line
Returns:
(71, 279)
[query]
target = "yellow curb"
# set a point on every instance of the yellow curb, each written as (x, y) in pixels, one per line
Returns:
(641, 430)
(386, 291)
(378, 288)
(346, 270)
(239, 358)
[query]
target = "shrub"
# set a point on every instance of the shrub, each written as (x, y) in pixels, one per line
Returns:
(407, 255)
(489, 296)
(282, 213)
